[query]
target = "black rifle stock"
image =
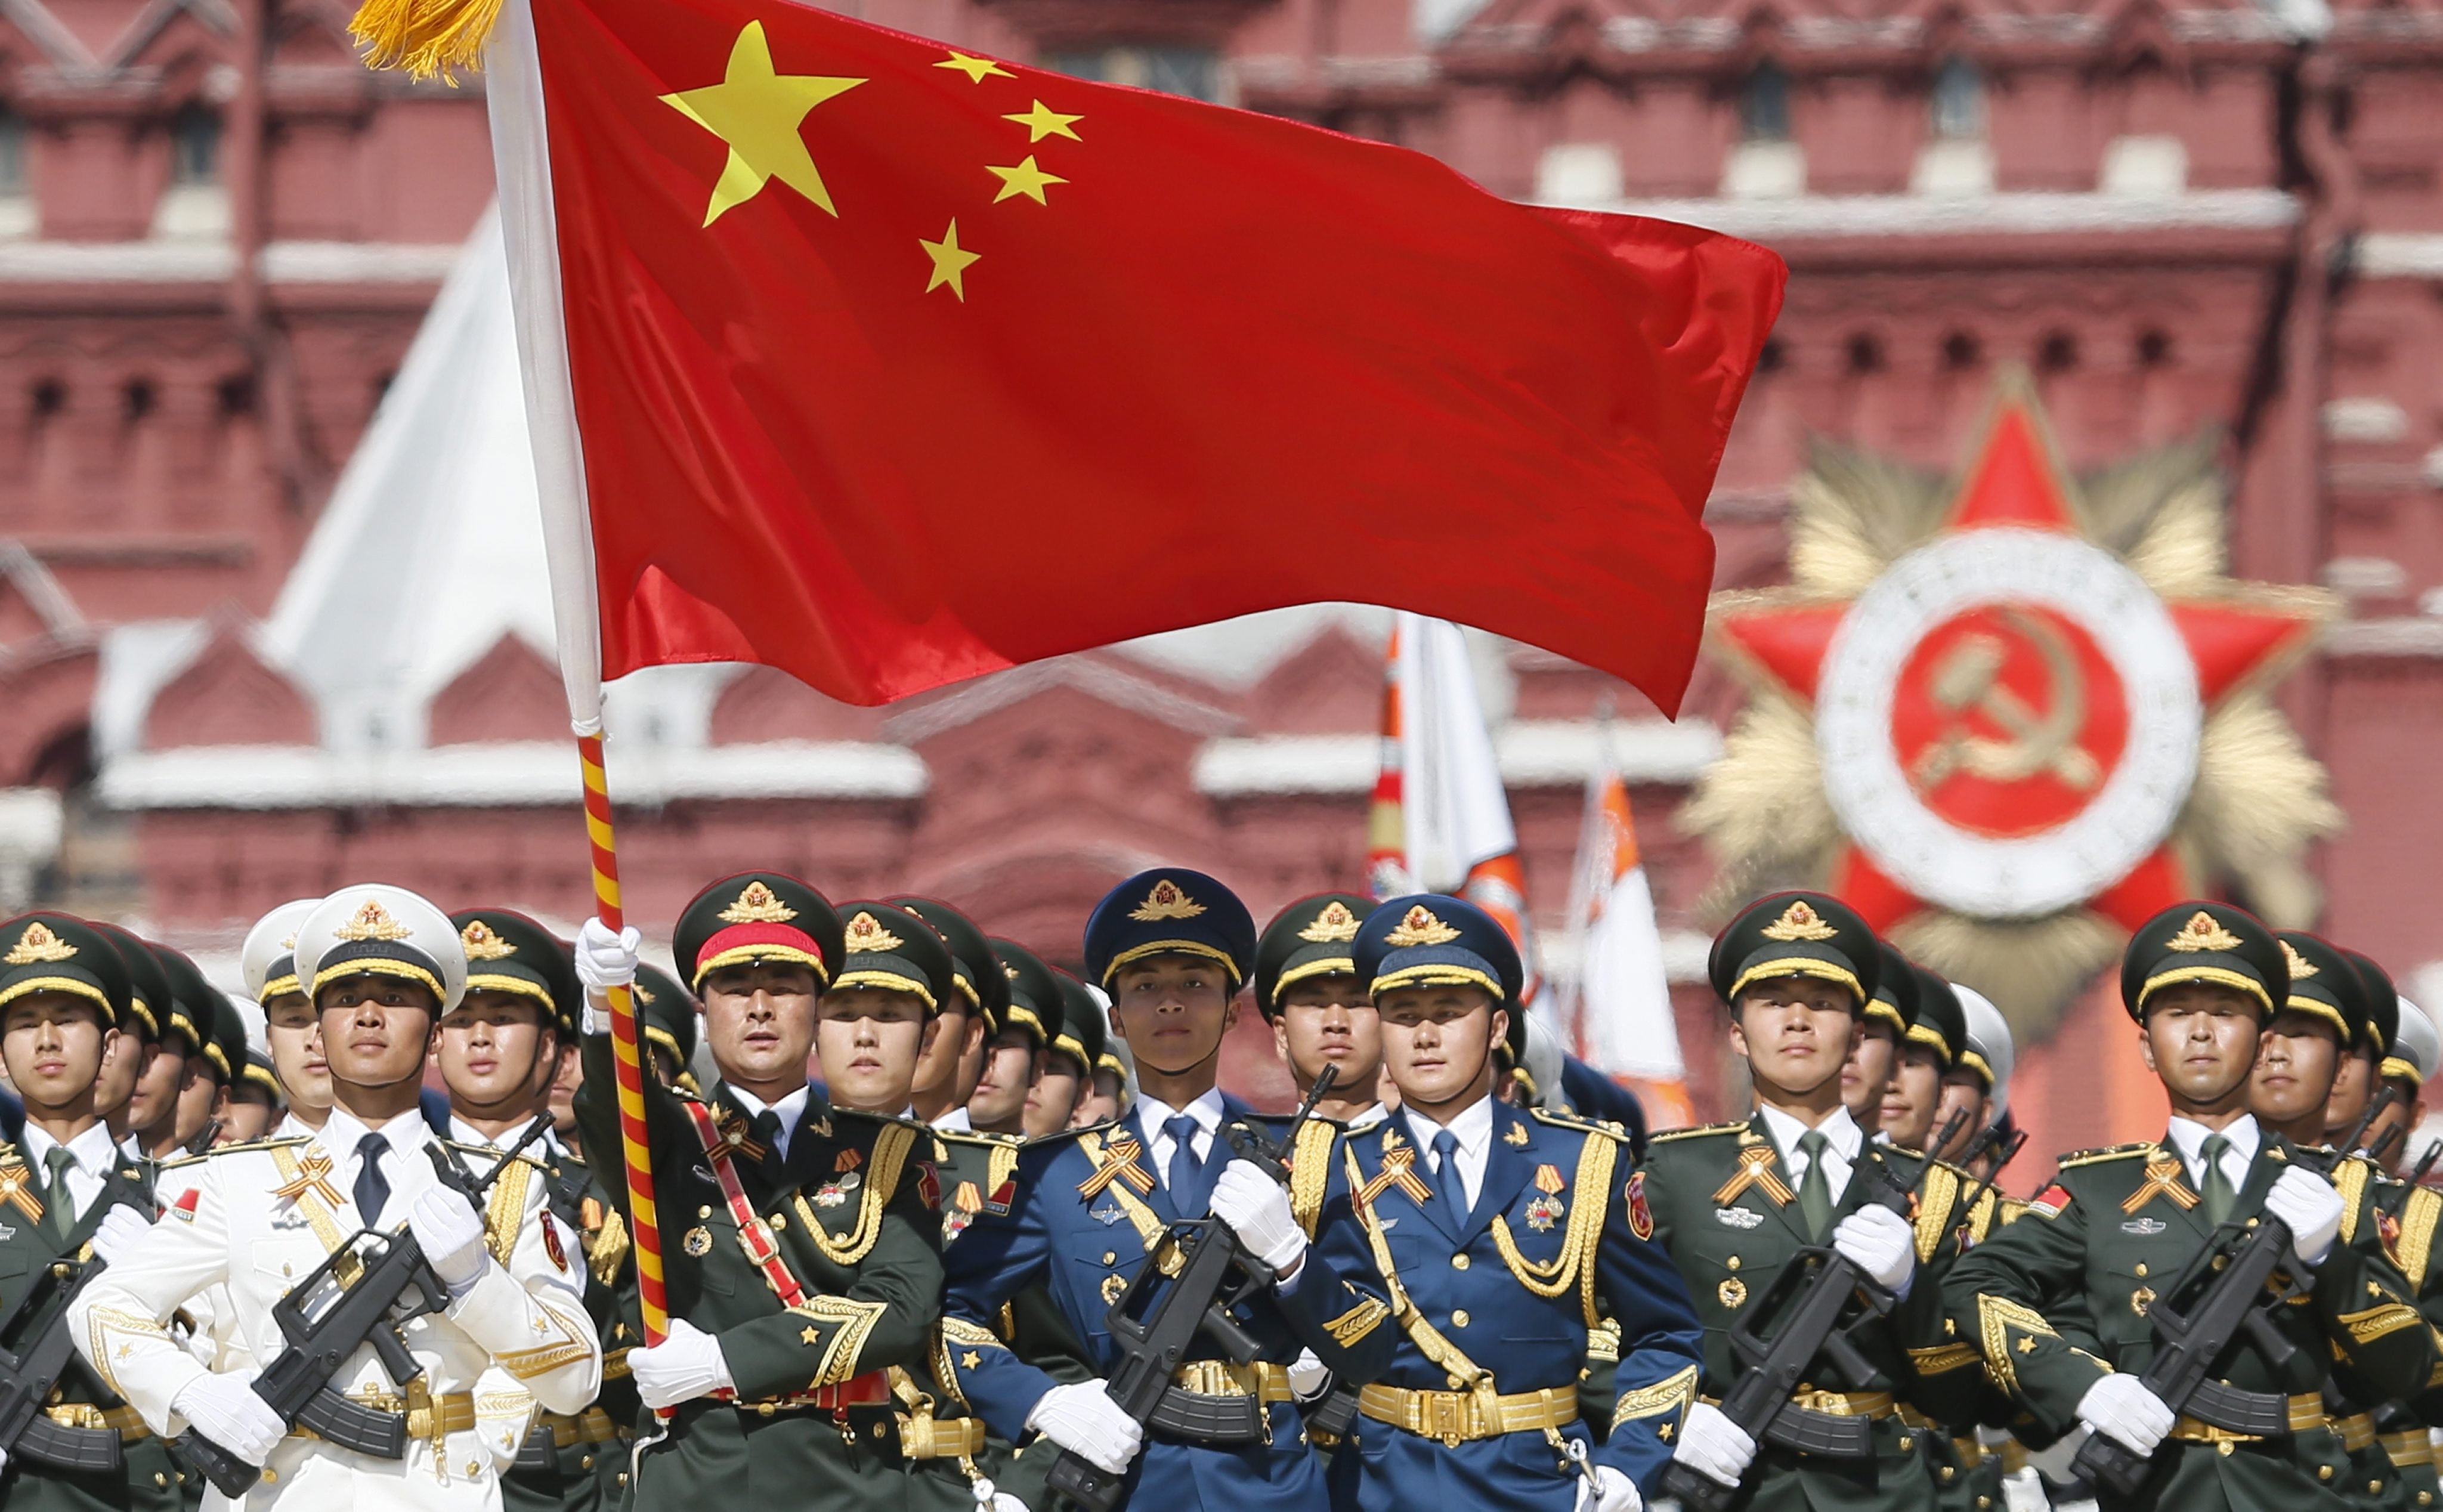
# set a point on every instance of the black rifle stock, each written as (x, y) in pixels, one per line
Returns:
(2230, 1303)
(372, 1310)
(1159, 1317)
(1818, 1285)
(44, 1344)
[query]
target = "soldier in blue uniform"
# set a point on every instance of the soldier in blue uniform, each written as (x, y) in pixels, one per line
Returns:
(1082, 1213)
(1497, 1244)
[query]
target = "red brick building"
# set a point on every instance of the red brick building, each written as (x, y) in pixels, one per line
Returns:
(218, 236)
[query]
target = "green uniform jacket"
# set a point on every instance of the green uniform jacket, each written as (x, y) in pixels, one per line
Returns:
(2060, 1296)
(853, 1206)
(589, 1477)
(1726, 1209)
(149, 1479)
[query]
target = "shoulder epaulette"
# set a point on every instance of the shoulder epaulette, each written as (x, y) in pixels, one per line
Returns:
(2088, 1157)
(465, 1148)
(1673, 1135)
(236, 1149)
(976, 1136)
(1065, 1136)
(1577, 1125)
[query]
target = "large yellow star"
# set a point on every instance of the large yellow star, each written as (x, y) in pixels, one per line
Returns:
(1043, 121)
(951, 262)
(757, 113)
(1023, 179)
(974, 67)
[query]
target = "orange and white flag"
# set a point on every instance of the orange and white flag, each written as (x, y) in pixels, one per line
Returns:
(1617, 1009)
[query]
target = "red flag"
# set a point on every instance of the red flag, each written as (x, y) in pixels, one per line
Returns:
(890, 364)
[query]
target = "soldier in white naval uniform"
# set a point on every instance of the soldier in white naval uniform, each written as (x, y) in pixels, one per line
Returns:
(382, 964)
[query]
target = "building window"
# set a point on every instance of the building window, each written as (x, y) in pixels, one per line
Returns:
(1192, 72)
(194, 147)
(1959, 102)
(1764, 104)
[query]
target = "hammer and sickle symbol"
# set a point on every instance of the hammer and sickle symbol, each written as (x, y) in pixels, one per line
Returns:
(1967, 680)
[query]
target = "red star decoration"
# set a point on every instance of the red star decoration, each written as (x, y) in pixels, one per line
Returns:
(2016, 480)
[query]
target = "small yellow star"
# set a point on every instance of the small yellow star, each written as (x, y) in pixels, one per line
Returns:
(809, 1336)
(970, 1360)
(1043, 121)
(951, 262)
(757, 113)
(975, 69)
(1023, 179)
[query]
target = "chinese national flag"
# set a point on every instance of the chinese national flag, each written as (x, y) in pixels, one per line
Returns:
(892, 364)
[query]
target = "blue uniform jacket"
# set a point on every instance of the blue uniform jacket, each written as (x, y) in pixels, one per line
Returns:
(1557, 1244)
(1077, 1221)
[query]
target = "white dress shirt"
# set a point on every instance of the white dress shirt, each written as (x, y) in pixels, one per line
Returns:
(790, 1108)
(2189, 1138)
(1152, 1114)
(405, 1135)
(1842, 1143)
(91, 1156)
(955, 1121)
(1473, 1128)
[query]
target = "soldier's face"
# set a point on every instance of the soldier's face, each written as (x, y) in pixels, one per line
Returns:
(247, 1116)
(759, 1023)
(1438, 1043)
(496, 1053)
(1795, 1031)
(1867, 1072)
(2353, 1088)
(53, 1045)
(294, 1033)
(2200, 1038)
(377, 1030)
(2295, 1064)
(1101, 1104)
(948, 1050)
(569, 1073)
(1912, 1097)
(199, 1101)
(2402, 1113)
(1052, 1102)
(1002, 1085)
(1173, 1011)
(1962, 1093)
(123, 1060)
(155, 1098)
(1330, 1021)
(870, 1042)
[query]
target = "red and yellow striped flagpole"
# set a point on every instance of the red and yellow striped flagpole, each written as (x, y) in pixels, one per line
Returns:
(644, 1222)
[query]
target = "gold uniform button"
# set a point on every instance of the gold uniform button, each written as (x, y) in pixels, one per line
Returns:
(779, 1220)
(2141, 1270)
(1458, 1262)
(1948, 1472)
(159, 1479)
(704, 1212)
(586, 1464)
(1459, 1319)
(1733, 1263)
(2323, 1472)
(2225, 1448)
(1907, 1442)
(1110, 1255)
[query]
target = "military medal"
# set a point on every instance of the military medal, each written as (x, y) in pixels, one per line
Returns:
(1107, 1214)
(1543, 1212)
(832, 1196)
(698, 1241)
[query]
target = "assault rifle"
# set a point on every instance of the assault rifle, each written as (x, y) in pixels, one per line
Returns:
(1186, 1286)
(2224, 1293)
(1818, 1285)
(44, 1344)
(397, 1286)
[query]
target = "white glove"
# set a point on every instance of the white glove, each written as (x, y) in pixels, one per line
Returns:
(1082, 1418)
(1308, 1378)
(2308, 1204)
(451, 1235)
(1257, 1210)
(122, 1227)
(1610, 1491)
(2121, 1407)
(684, 1365)
(1713, 1446)
(225, 1409)
(2024, 1491)
(1880, 1241)
(605, 960)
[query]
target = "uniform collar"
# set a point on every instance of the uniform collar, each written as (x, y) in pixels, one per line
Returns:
(95, 1153)
(955, 1121)
(1473, 1126)
(2189, 1138)
(1152, 1113)
(1840, 1132)
(344, 1131)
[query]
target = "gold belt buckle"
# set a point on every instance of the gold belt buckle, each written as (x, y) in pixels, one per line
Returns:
(1446, 1417)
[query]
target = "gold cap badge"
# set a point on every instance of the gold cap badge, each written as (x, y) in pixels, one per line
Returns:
(1165, 902)
(2203, 933)
(38, 944)
(2301, 967)
(1798, 922)
(866, 935)
(1419, 926)
(371, 922)
(481, 944)
(757, 905)
(1336, 925)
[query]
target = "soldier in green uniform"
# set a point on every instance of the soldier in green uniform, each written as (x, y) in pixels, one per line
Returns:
(1733, 1203)
(67, 1193)
(955, 1058)
(1077, 1050)
(124, 1098)
(2058, 1301)
(1912, 1098)
(193, 1019)
(1866, 1075)
(802, 1243)
(1015, 1052)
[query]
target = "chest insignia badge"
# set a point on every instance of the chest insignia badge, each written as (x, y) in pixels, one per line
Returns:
(2146, 1227)
(831, 1195)
(1738, 1217)
(1113, 1286)
(1107, 1214)
(698, 1241)
(1732, 1291)
(1543, 1212)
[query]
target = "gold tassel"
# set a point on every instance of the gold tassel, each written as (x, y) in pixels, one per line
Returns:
(429, 39)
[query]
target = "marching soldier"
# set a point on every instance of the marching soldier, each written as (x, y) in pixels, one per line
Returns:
(800, 1240)
(1081, 1046)
(63, 992)
(256, 1102)
(1989, 1467)
(2058, 1301)
(2361, 1068)
(1066, 1066)
(2415, 1049)
(1321, 1014)
(1734, 1202)
(1014, 1054)
(121, 1095)
(1084, 1212)
(969, 1017)
(1490, 1240)
(1912, 1103)
(291, 1031)
(194, 1008)
(1867, 1076)
(382, 967)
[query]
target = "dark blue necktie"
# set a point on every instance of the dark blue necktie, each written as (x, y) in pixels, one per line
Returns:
(1186, 1179)
(1447, 1182)
(373, 1187)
